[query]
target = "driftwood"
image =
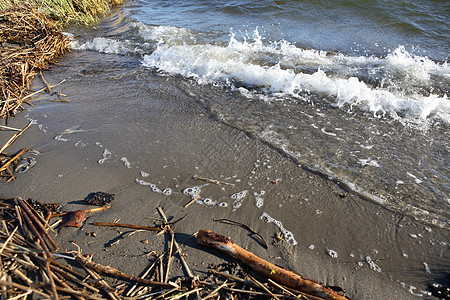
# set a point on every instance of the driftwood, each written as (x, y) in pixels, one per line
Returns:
(278, 274)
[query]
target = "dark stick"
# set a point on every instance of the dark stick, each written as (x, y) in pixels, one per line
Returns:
(246, 227)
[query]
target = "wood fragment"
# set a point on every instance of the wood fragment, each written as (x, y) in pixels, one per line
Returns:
(169, 258)
(130, 292)
(112, 224)
(109, 291)
(192, 201)
(9, 128)
(279, 286)
(186, 266)
(278, 274)
(84, 210)
(212, 180)
(14, 137)
(246, 227)
(214, 292)
(11, 160)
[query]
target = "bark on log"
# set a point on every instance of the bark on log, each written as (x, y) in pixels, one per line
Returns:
(278, 274)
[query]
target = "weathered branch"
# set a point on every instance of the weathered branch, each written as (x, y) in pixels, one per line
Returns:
(278, 274)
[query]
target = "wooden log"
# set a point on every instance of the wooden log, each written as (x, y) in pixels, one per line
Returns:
(278, 274)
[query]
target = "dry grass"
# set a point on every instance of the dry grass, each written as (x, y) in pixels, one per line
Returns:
(30, 39)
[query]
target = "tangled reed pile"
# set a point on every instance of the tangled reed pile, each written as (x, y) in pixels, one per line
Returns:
(29, 42)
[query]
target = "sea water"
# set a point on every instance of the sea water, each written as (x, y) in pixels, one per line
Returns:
(354, 90)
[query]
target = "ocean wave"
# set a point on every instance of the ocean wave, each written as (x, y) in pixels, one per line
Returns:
(281, 67)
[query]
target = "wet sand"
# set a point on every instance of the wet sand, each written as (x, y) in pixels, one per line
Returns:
(120, 113)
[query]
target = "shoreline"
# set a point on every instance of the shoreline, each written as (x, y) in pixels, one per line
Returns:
(165, 132)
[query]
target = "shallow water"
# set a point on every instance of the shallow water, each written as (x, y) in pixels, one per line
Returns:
(130, 131)
(355, 91)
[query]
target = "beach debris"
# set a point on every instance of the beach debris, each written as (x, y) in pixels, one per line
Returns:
(97, 209)
(112, 224)
(87, 261)
(28, 267)
(77, 219)
(7, 161)
(277, 274)
(10, 161)
(228, 221)
(14, 137)
(212, 180)
(192, 201)
(99, 198)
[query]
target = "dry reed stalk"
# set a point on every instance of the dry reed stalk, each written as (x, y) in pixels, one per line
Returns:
(116, 273)
(29, 41)
(32, 214)
(14, 137)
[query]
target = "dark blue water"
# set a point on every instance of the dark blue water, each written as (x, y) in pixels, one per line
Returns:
(372, 27)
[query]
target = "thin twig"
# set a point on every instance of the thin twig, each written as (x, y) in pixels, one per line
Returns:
(111, 224)
(192, 201)
(212, 180)
(263, 287)
(246, 227)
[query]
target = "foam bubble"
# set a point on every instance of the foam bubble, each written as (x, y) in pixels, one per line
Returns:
(125, 162)
(142, 182)
(192, 191)
(106, 45)
(286, 233)
(167, 191)
(209, 201)
(332, 253)
(106, 155)
(372, 265)
(239, 195)
(259, 202)
(144, 174)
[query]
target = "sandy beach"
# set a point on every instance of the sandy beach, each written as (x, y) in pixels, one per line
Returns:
(125, 128)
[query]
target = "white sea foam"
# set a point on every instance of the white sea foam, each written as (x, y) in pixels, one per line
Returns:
(286, 233)
(240, 61)
(106, 45)
(106, 155)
